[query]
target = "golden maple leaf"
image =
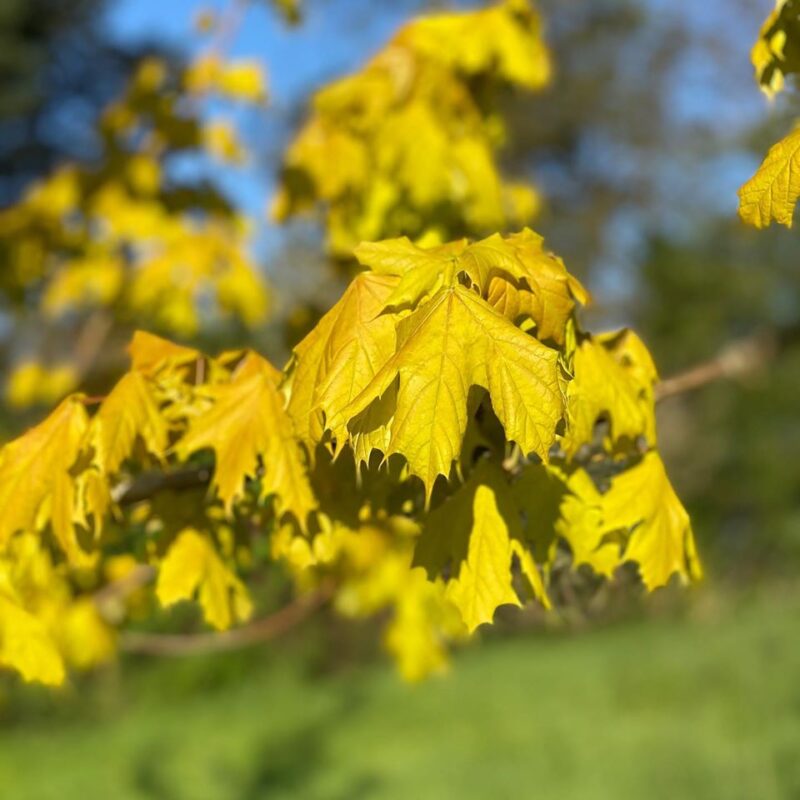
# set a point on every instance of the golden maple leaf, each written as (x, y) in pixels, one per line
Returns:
(192, 566)
(476, 533)
(610, 382)
(771, 194)
(150, 353)
(247, 423)
(341, 355)
(36, 485)
(130, 411)
(661, 541)
(454, 342)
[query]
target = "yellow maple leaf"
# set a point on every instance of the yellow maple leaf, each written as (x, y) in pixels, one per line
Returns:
(563, 504)
(27, 647)
(477, 532)
(454, 342)
(129, 411)
(248, 423)
(421, 270)
(35, 481)
(191, 567)
(484, 579)
(505, 37)
(409, 138)
(150, 353)
(341, 355)
(516, 275)
(661, 541)
(631, 352)
(771, 194)
(581, 525)
(548, 294)
(610, 382)
(518, 261)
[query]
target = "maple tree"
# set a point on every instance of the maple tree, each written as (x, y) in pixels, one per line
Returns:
(437, 445)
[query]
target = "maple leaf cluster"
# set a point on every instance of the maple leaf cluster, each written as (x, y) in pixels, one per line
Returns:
(446, 440)
(455, 380)
(408, 144)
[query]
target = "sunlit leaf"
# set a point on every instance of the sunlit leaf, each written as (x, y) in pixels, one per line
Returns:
(192, 568)
(771, 194)
(448, 345)
(246, 426)
(35, 481)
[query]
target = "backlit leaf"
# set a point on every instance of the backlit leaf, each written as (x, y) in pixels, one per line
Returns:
(448, 345)
(246, 425)
(129, 411)
(35, 481)
(474, 536)
(609, 383)
(341, 354)
(150, 353)
(661, 541)
(192, 568)
(776, 53)
(771, 194)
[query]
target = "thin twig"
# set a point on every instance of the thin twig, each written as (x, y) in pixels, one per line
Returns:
(91, 339)
(256, 632)
(145, 486)
(228, 25)
(738, 358)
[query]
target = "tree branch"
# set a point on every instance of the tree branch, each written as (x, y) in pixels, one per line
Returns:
(90, 340)
(145, 486)
(736, 359)
(740, 357)
(255, 632)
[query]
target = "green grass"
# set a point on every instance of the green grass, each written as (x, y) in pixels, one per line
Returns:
(707, 706)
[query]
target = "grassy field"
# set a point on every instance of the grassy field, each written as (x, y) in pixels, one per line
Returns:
(706, 706)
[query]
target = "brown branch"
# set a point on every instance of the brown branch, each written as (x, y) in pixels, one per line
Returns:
(735, 360)
(256, 632)
(145, 486)
(739, 358)
(90, 340)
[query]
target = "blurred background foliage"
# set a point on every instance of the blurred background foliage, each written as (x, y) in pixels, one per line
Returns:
(636, 149)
